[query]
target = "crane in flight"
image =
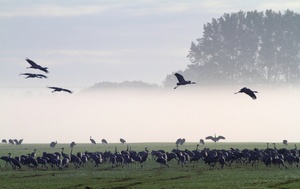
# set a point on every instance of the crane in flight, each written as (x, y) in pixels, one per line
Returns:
(248, 92)
(32, 75)
(122, 140)
(58, 89)
(182, 81)
(34, 65)
(215, 138)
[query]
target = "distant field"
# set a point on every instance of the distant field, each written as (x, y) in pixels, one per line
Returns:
(151, 175)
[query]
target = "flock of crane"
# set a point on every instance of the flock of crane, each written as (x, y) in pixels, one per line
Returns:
(34, 65)
(180, 78)
(55, 160)
(12, 141)
(93, 141)
(212, 157)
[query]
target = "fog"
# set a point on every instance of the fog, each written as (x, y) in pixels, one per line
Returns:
(151, 115)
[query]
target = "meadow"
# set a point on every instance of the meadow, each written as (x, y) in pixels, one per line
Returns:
(151, 175)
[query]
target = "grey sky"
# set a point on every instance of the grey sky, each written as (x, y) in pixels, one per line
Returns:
(85, 42)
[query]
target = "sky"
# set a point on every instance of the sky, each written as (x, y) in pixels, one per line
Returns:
(86, 42)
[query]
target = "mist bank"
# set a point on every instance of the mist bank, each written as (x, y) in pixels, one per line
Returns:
(153, 115)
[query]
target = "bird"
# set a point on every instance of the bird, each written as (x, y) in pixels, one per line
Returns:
(182, 81)
(19, 142)
(215, 139)
(178, 141)
(104, 141)
(122, 141)
(34, 65)
(248, 92)
(285, 142)
(53, 144)
(10, 141)
(33, 154)
(72, 144)
(182, 141)
(32, 75)
(202, 141)
(58, 89)
(92, 140)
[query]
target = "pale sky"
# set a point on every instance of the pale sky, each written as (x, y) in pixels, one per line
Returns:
(85, 42)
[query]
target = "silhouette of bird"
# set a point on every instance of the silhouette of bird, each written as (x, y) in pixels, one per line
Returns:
(58, 89)
(182, 81)
(72, 144)
(182, 141)
(53, 144)
(92, 140)
(19, 142)
(122, 141)
(10, 141)
(248, 92)
(33, 154)
(215, 139)
(285, 142)
(104, 141)
(34, 65)
(178, 141)
(32, 75)
(202, 141)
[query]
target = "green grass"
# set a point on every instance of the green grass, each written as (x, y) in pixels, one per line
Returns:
(151, 175)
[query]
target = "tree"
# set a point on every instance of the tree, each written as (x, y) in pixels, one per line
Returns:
(247, 47)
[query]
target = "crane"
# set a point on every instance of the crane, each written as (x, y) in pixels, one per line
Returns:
(182, 81)
(215, 138)
(34, 65)
(32, 75)
(58, 89)
(248, 92)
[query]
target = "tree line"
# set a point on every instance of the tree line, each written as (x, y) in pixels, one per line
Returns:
(246, 47)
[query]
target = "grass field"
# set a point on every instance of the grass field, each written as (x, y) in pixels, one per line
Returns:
(151, 175)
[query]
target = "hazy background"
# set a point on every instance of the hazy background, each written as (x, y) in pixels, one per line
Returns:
(159, 115)
(85, 42)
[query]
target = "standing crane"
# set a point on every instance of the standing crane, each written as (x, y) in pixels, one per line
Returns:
(248, 92)
(72, 145)
(182, 81)
(92, 140)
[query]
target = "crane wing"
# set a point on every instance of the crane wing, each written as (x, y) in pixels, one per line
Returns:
(66, 90)
(32, 63)
(220, 137)
(53, 88)
(252, 95)
(41, 75)
(209, 137)
(25, 73)
(180, 78)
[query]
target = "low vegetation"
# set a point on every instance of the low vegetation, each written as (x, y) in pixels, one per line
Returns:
(151, 174)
